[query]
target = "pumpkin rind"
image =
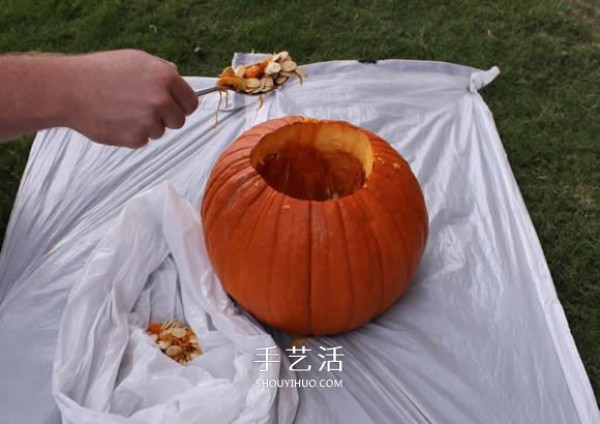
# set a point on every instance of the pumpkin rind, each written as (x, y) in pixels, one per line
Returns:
(307, 266)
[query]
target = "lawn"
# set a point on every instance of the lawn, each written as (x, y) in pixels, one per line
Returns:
(546, 102)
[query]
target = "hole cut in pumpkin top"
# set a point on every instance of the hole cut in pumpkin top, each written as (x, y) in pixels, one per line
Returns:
(314, 160)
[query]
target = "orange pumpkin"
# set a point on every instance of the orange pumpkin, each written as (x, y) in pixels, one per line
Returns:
(315, 227)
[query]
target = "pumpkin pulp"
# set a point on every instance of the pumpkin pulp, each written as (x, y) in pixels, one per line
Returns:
(309, 161)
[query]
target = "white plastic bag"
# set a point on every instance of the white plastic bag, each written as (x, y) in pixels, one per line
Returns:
(152, 267)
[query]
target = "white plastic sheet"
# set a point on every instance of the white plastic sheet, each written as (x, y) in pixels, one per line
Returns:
(152, 267)
(479, 337)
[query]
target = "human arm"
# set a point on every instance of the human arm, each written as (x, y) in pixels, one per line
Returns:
(121, 97)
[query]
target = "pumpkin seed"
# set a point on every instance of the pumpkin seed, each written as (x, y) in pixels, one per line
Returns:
(240, 71)
(268, 83)
(263, 83)
(288, 66)
(175, 340)
(252, 83)
(172, 323)
(179, 332)
(174, 350)
(280, 56)
(272, 68)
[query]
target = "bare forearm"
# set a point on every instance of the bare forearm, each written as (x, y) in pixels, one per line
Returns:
(33, 92)
(122, 97)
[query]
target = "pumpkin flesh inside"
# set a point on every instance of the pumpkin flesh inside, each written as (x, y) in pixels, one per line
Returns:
(312, 161)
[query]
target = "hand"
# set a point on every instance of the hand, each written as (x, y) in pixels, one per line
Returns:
(125, 97)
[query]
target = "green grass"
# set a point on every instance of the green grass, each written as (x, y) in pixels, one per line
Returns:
(546, 102)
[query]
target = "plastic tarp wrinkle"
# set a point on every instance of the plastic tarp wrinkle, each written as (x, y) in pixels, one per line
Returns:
(152, 267)
(479, 337)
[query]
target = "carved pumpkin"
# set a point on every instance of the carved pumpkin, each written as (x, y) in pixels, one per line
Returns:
(315, 227)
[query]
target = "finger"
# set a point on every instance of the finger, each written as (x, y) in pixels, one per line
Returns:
(172, 115)
(167, 62)
(184, 95)
(135, 140)
(157, 130)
